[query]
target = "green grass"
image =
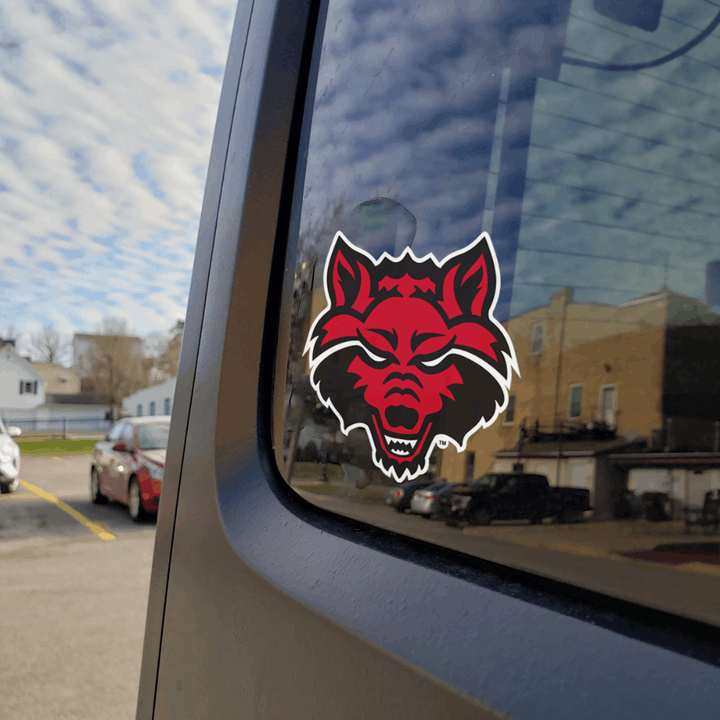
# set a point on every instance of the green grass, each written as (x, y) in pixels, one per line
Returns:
(55, 447)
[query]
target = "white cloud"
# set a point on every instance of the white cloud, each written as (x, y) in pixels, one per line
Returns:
(87, 98)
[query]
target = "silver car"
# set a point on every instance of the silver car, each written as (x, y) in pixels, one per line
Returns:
(425, 502)
(9, 459)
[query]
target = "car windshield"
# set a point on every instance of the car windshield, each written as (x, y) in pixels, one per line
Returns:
(153, 436)
(487, 480)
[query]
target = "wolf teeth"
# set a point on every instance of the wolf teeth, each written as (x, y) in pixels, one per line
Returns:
(401, 441)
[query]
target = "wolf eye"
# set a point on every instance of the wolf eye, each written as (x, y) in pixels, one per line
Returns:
(434, 362)
(373, 356)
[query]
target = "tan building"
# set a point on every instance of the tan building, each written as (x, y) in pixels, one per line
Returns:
(59, 380)
(597, 380)
(594, 380)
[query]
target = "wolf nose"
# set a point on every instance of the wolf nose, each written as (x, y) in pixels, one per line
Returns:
(401, 416)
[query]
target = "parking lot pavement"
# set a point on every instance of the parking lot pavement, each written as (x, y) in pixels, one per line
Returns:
(73, 603)
(564, 553)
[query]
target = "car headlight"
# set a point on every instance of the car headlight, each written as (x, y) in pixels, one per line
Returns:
(156, 473)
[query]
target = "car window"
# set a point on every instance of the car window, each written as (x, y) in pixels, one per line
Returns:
(153, 436)
(471, 179)
(127, 435)
(116, 432)
(486, 480)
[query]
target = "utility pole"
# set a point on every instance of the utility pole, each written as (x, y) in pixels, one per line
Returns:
(556, 420)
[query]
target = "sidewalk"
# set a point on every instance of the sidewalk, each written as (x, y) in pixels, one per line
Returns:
(611, 540)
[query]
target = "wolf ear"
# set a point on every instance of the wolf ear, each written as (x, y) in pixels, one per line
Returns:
(469, 282)
(347, 276)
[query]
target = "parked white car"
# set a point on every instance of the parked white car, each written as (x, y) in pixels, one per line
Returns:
(425, 502)
(9, 459)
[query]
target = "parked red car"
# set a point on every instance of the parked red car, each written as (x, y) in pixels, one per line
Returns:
(128, 465)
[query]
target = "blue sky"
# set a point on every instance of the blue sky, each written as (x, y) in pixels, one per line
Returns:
(106, 122)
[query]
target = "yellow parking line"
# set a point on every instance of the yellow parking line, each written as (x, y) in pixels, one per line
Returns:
(100, 531)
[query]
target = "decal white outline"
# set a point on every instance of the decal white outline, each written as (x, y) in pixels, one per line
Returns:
(503, 381)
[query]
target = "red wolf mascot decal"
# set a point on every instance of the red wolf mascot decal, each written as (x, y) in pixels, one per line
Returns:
(409, 350)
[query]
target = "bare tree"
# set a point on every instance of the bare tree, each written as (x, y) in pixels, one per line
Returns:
(162, 352)
(170, 357)
(48, 345)
(119, 368)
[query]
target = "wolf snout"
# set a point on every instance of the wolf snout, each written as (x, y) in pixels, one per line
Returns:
(399, 416)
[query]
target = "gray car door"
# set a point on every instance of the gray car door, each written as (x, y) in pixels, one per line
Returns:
(263, 605)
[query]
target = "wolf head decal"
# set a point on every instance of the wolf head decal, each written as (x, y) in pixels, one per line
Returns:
(409, 350)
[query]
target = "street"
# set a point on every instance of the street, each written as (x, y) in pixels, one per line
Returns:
(74, 581)
(73, 619)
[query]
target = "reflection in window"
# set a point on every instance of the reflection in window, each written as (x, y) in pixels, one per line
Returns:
(607, 405)
(139, 410)
(537, 339)
(552, 126)
(510, 411)
(575, 401)
(469, 465)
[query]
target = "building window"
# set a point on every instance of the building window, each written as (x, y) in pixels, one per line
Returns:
(152, 408)
(29, 388)
(537, 339)
(166, 409)
(510, 411)
(575, 402)
(469, 466)
(608, 400)
(139, 410)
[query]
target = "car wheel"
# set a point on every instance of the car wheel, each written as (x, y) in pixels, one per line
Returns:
(399, 509)
(9, 487)
(451, 522)
(135, 506)
(95, 495)
(482, 517)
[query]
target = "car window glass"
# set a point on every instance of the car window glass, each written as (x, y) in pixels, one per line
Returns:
(115, 432)
(126, 435)
(153, 436)
(517, 197)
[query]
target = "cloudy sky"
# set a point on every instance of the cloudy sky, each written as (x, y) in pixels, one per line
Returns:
(107, 111)
(106, 117)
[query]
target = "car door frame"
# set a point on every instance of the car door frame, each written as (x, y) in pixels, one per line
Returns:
(478, 635)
